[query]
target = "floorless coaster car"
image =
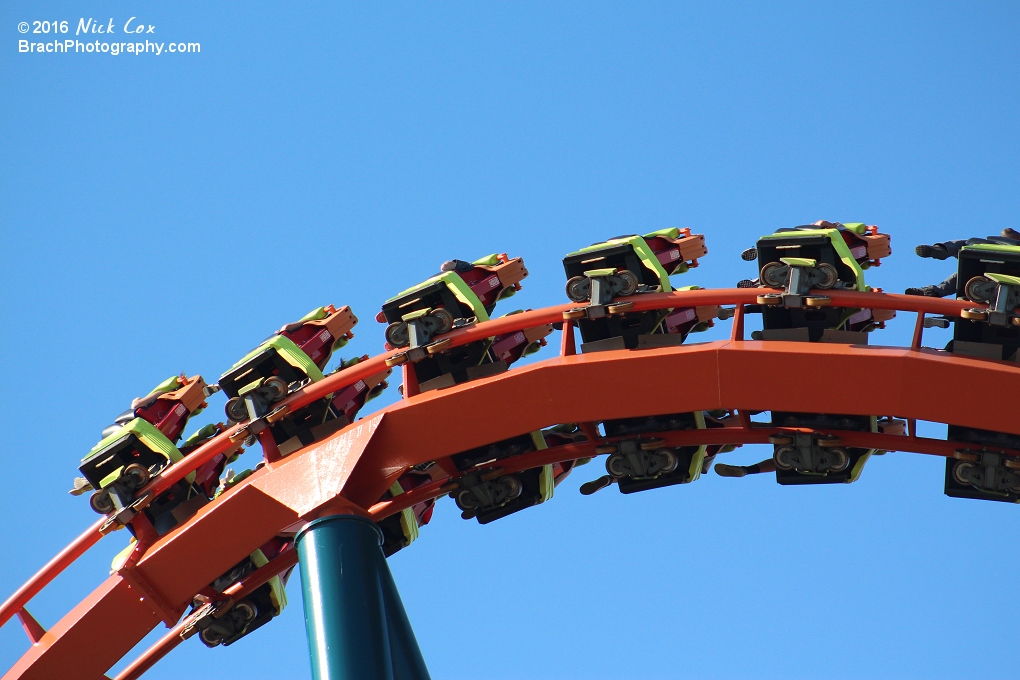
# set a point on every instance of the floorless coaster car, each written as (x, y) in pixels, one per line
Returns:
(401, 529)
(800, 259)
(124, 462)
(982, 471)
(813, 458)
(625, 266)
(989, 274)
(167, 408)
(463, 293)
(639, 462)
(182, 500)
(220, 622)
(487, 494)
(279, 365)
(297, 353)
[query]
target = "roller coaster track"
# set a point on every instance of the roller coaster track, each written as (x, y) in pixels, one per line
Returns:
(349, 471)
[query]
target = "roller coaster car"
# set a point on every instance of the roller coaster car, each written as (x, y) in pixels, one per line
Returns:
(223, 622)
(625, 266)
(989, 274)
(813, 458)
(140, 443)
(279, 365)
(487, 494)
(983, 471)
(801, 259)
(639, 463)
(124, 462)
(297, 353)
(182, 500)
(463, 293)
(401, 529)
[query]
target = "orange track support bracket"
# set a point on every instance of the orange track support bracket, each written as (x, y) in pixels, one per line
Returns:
(270, 451)
(737, 330)
(410, 381)
(915, 343)
(567, 344)
(33, 629)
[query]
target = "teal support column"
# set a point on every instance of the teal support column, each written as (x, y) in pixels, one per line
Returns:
(356, 624)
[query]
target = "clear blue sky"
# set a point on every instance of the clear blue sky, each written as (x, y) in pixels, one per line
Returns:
(164, 213)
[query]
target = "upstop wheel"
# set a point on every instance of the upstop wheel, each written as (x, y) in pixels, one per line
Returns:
(236, 410)
(136, 475)
(829, 275)
(247, 610)
(842, 459)
(630, 283)
(669, 461)
(210, 638)
(774, 274)
(616, 465)
(979, 289)
(960, 471)
(509, 488)
(101, 502)
(397, 335)
(784, 457)
(466, 500)
(444, 320)
(579, 288)
(275, 388)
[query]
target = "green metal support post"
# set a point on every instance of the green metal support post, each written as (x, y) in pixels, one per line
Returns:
(356, 624)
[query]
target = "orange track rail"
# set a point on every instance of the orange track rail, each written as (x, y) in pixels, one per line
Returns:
(350, 471)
